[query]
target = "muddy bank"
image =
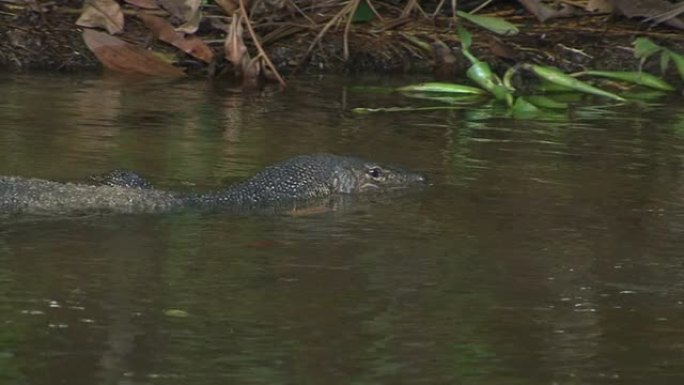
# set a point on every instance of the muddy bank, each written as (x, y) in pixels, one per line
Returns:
(50, 40)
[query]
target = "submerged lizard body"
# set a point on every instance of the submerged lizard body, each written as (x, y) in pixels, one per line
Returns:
(301, 178)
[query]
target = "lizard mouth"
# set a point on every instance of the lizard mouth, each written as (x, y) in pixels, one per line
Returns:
(368, 186)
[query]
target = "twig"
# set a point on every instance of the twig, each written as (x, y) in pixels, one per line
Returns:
(346, 10)
(254, 37)
(479, 7)
(347, 27)
(410, 6)
(296, 7)
(375, 11)
(453, 8)
(439, 8)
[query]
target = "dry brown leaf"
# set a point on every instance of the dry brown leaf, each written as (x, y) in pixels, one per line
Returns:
(235, 48)
(219, 24)
(120, 56)
(444, 60)
(105, 14)
(652, 10)
(228, 6)
(545, 12)
(146, 4)
(599, 6)
(269, 75)
(194, 46)
(192, 24)
(250, 74)
(33, 5)
(501, 49)
(186, 10)
(672, 14)
(175, 7)
(163, 30)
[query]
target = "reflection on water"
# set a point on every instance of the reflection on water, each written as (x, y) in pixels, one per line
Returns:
(546, 251)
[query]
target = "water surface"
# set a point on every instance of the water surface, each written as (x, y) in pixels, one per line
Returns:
(546, 252)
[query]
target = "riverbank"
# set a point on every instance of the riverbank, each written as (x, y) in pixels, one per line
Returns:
(49, 39)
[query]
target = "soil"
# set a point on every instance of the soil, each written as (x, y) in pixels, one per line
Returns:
(50, 40)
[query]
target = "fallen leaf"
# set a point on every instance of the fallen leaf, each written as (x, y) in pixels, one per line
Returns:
(192, 24)
(658, 11)
(599, 6)
(668, 16)
(33, 5)
(146, 4)
(228, 6)
(120, 56)
(501, 49)
(164, 31)
(186, 10)
(219, 24)
(105, 14)
(194, 46)
(545, 12)
(235, 48)
(250, 74)
(444, 60)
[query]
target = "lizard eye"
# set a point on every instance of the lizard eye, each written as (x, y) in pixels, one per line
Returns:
(375, 172)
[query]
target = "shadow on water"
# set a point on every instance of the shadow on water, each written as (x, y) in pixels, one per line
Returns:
(545, 251)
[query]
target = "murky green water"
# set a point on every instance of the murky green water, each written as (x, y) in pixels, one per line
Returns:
(547, 252)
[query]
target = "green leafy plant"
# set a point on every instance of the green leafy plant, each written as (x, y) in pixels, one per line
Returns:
(363, 13)
(644, 48)
(551, 78)
(492, 23)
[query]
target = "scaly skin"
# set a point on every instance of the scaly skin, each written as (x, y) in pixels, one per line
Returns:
(301, 178)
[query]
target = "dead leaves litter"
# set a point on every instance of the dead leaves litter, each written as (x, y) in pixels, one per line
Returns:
(234, 46)
(186, 10)
(105, 14)
(164, 31)
(229, 6)
(124, 57)
(145, 4)
(117, 55)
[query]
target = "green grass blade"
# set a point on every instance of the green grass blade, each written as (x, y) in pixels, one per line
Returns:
(465, 37)
(664, 62)
(365, 110)
(678, 60)
(644, 47)
(450, 88)
(524, 109)
(554, 75)
(635, 77)
(546, 102)
(494, 24)
(452, 99)
(644, 95)
(547, 86)
(466, 41)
